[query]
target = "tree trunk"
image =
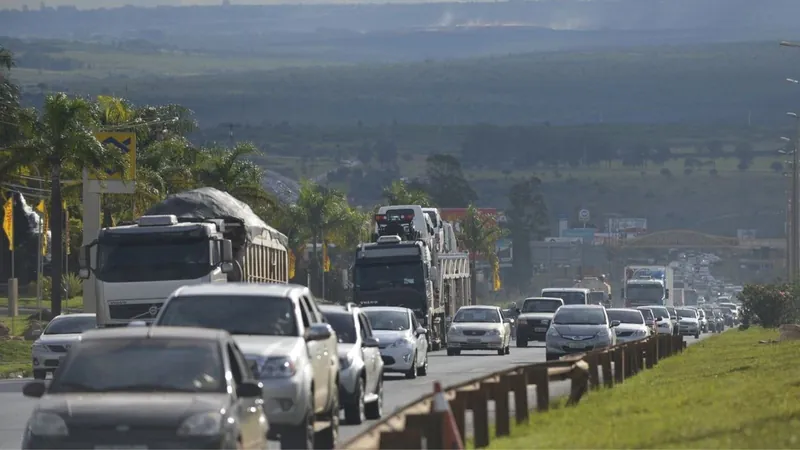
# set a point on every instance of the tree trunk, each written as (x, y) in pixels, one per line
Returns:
(315, 265)
(473, 282)
(57, 242)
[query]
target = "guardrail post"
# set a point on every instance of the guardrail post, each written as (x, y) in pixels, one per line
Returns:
(538, 375)
(519, 383)
(605, 362)
(502, 417)
(401, 440)
(431, 425)
(619, 364)
(651, 349)
(480, 416)
(594, 375)
(458, 405)
(580, 382)
(641, 347)
(670, 345)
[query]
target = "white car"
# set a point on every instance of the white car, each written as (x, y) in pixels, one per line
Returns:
(632, 326)
(56, 339)
(663, 321)
(688, 324)
(479, 328)
(403, 343)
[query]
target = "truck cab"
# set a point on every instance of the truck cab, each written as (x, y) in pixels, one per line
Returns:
(645, 292)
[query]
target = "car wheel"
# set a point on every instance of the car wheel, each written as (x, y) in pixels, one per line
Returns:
(451, 352)
(374, 410)
(412, 372)
(354, 408)
(697, 336)
(300, 437)
(39, 374)
(502, 351)
(424, 369)
(508, 349)
(326, 439)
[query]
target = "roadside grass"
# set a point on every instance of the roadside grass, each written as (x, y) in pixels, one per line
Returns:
(15, 357)
(16, 325)
(31, 303)
(727, 391)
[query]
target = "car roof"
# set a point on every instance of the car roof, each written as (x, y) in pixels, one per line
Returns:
(74, 315)
(581, 307)
(569, 289)
(478, 307)
(336, 309)
(624, 309)
(385, 308)
(194, 333)
(239, 289)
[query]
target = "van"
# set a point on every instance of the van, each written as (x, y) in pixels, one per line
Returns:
(571, 296)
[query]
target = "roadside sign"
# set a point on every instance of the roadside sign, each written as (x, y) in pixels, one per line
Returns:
(126, 143)
(583, 215)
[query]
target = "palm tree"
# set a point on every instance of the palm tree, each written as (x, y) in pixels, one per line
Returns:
(9, 99)
(61, 139)
(399, 193)
(228, 169)
(479, 233)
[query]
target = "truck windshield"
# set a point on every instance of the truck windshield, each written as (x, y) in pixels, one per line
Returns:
(651, 293)
(136, 260)
(375, 277)
(569, 297)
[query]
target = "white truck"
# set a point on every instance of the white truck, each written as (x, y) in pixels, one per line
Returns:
(199, 236)
(647, 285)
(399, 269)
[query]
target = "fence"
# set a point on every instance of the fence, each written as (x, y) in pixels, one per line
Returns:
(415, 423)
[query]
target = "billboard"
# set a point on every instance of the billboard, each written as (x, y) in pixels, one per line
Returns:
(586, 234)
(505, 252)
(627, 225)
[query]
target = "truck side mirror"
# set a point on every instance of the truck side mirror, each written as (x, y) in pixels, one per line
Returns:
(85, 261)
(434, 273)
(666, 293)
(227, 251)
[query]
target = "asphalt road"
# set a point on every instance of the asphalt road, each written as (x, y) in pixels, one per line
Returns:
(15, 409)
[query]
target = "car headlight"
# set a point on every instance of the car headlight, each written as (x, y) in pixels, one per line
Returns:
(47, 424)
(274, 367)
(455, 330)
(345, 361)
(402, 342)
(494, 332)
(203, 424)
(37, 346)
(552, 332)
(639, 333)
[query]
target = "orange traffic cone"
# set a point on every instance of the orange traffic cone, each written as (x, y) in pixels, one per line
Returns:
(451, 438)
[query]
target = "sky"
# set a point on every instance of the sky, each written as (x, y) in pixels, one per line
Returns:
(92, 4)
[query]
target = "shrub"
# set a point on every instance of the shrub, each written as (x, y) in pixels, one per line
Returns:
(769, 304)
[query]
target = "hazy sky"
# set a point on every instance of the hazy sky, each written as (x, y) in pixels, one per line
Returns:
(90, 4)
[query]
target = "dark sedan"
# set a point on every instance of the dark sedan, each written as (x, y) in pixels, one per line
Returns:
(159, 387)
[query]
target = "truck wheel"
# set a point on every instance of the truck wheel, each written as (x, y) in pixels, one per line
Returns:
(326, 439)
(354, 409)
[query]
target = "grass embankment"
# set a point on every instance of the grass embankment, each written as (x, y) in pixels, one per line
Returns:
(728, 391)
(15, 355)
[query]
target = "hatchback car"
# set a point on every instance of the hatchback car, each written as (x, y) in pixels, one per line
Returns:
(140, 387)
(360, 364)
(663, 320)
(52, 346)
(649, 318)
(632, 326)
(579, 329)
(403, 343)
(478, 328)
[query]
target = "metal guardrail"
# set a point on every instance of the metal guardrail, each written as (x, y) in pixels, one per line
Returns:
(415, 423)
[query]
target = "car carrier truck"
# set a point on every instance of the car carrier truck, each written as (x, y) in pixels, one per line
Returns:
(199, 236)
(397, 269)
(647, 285)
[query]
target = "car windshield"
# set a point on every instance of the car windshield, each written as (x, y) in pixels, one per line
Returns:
(647, 313)
(142, 365)
(388, 320)
(541, 306)
(343, 324)
(71, 325)
(660, 312)
(236, 314)
(624, 316)
(580, 316)
(671, 311)
(569, 297)
(687, 313)
(482, 315)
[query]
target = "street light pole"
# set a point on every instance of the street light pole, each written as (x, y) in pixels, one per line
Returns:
(795, 226)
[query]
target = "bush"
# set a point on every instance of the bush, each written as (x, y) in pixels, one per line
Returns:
(769, 304)
(70, 283)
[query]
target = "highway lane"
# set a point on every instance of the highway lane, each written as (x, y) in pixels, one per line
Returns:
(15, 409)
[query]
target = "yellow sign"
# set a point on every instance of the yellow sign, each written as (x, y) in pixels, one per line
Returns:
(326, 261)
(8, 222)
(292, 264)
(496, 283)
(126, 143)
(42, 208)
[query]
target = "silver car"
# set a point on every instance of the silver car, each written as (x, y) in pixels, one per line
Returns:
(360, 363)
(479, 328)
(688, 324)
(402, 341)
(579, 329)
(56, 339)
(632, 325)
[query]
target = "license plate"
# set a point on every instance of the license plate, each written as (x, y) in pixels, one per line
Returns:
(574, 345)
(540, 330)
(474, 341)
